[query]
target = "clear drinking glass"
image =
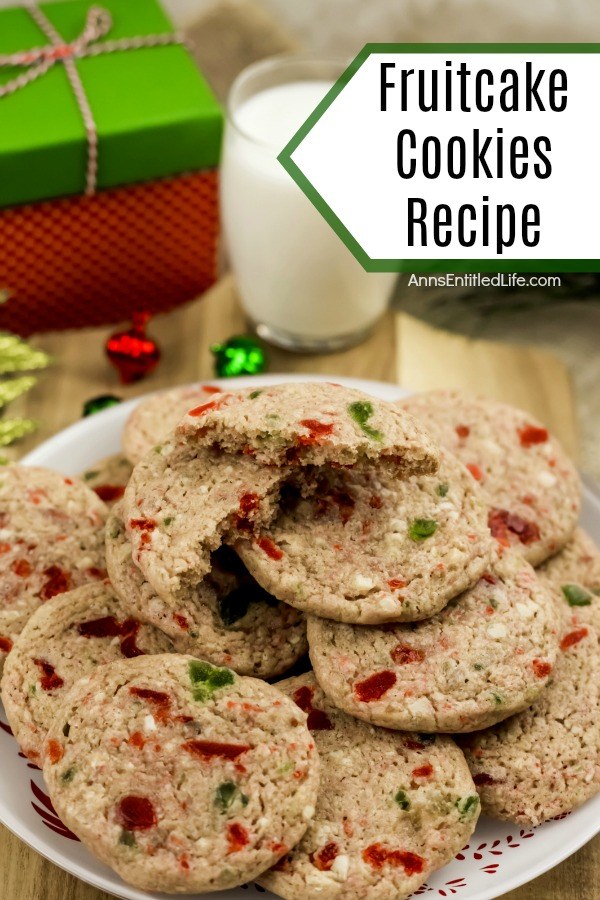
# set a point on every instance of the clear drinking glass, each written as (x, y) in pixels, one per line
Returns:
(300, 286)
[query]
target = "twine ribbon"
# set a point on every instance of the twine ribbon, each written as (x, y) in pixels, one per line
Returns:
(36, 62)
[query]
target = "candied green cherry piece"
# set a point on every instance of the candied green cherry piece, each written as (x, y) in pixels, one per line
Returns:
(224, 794)
(442, 490)
(467, 806)
(127, 838)
(206, 679)
(421, 529)
(402, 800)
(361, 411)
(227, 793)
(576, 595)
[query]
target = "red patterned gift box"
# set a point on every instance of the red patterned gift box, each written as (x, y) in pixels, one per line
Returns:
(98, 224)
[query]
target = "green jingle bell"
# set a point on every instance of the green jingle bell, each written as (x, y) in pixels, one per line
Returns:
(240, 355)
(97, 404)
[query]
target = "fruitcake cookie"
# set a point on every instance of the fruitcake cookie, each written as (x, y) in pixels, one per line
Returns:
(546, 760)
(108, 477)
(51, 540)
(64, 640)
(485, 657)
(574, 575)
(313, 423)
(532, 488)
(181, 499)
(157, 415)
(366, 547)
(181, 776)
(228, 620)
(391, 809)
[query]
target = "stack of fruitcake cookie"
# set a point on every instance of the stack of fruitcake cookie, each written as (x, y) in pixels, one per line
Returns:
(395, 543)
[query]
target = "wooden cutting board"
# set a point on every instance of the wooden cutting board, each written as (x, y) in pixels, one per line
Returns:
(403, 350)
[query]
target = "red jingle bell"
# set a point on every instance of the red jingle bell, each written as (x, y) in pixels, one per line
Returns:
(133, 354)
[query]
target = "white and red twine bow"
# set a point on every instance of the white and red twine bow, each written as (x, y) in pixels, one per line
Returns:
(39, 60)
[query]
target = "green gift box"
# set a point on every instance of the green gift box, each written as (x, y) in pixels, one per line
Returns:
(154, 114)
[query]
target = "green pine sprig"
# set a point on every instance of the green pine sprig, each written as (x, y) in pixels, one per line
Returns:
(16, 355)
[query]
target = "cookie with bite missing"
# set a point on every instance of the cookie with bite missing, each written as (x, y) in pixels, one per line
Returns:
(181, 776)
(532, 488)
(392, 808)
(158, 414)
(486, 656)
(51, 540)
(228, 619)
(312, 423)
(64, 640)
(180, 502)
(366, 547)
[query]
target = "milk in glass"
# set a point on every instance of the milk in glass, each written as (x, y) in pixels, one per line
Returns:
(299, 283)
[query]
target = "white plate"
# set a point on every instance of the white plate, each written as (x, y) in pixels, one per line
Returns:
(499, 857)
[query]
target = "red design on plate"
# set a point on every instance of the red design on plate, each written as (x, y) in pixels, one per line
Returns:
(375, 686)
(48, 815)
(490, 869)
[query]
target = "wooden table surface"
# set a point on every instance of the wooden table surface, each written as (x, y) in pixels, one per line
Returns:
(401, 350)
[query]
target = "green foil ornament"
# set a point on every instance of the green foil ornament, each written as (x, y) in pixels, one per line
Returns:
(97, 404)
(240, 355)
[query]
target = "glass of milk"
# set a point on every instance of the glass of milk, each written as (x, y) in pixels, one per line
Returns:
(300, 286)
